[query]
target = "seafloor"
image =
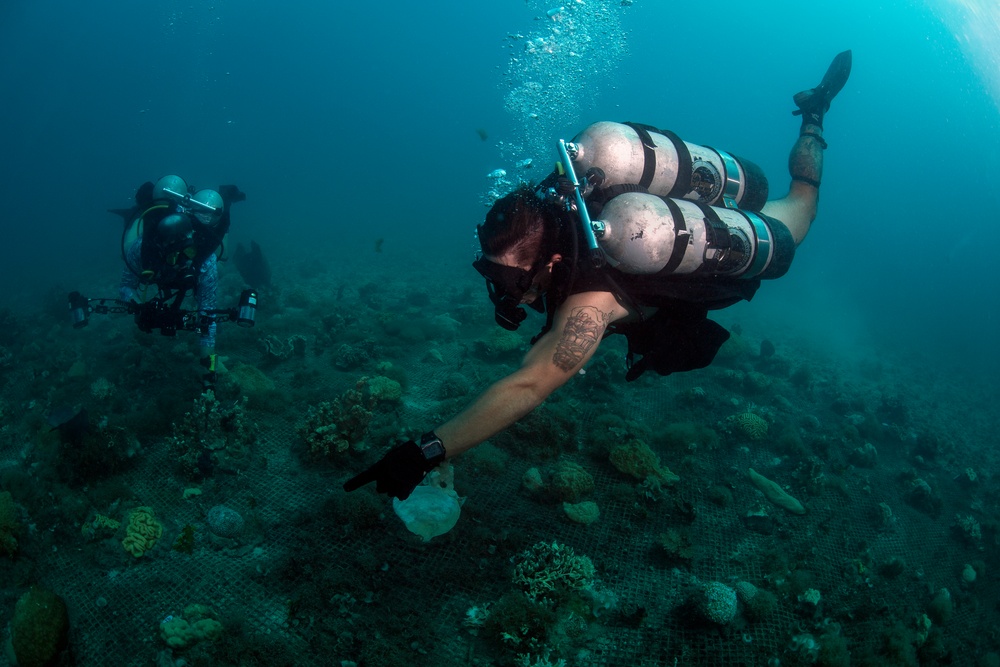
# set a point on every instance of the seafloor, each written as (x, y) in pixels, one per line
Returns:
(893, 563)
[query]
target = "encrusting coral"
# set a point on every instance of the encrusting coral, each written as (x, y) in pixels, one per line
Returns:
(584, 513)
(100, 526)
(635, 458)
(196, 624)
(571, 482)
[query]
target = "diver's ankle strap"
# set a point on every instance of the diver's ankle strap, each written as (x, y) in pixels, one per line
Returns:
(817, 137)
(806, 180)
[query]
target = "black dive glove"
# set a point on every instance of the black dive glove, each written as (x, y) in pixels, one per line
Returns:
(402, 468)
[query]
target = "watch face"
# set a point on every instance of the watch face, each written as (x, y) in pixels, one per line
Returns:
(432, 449)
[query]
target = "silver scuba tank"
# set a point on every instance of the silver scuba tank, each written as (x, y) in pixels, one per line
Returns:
(641, 233)
(664, 164)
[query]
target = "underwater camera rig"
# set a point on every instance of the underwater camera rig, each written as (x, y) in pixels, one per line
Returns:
(160, 314)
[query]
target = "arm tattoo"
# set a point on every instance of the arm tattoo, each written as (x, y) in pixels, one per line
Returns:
(584, 328)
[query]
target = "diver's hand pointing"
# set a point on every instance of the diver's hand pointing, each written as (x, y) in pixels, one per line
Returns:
(400, 471)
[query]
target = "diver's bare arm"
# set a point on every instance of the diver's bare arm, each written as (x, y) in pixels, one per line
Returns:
(554, 359)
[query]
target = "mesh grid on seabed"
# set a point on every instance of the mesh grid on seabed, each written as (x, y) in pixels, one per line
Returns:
(137, 597)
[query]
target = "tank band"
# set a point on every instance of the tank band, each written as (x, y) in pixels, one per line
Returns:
(648, 154)
(716, 237)
(682, 185)
(732, 189)
(763, 249)
(681, 236)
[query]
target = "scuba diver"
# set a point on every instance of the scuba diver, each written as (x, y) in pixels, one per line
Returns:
(173, 239)
(639, 233)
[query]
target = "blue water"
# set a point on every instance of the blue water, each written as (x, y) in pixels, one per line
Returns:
(347, 123)
(352, 126)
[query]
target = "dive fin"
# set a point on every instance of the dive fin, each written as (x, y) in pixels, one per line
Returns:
(231, 194)
(253, 266)
(126, 214)
(815, 102)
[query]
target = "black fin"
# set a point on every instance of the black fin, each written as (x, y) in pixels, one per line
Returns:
(126, 214)
(816, 101)
(252, 265)
(231, 194)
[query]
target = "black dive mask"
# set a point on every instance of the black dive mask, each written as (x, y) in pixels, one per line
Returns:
(506, 286)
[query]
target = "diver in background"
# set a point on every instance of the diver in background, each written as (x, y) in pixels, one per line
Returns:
(172, 240)
(666, 257)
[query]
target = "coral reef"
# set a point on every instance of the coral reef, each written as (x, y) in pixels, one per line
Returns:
(584, 513)
(500, 343)
(277, 349)
(341, 425)
(210, 434)
(198, 623)
(716, 602)
(571, 482)
(748, 424)
(676, 544)
(39, 631)
(349, 357)
(142, 531)
(548, 572)
(636, 459)
(773, 492)
(100, 526)
(185, 540)
(248, 381)
(9, 525)
(224, 521)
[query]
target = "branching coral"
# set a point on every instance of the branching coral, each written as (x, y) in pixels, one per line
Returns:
(341, 425)
(212, 426)
(677, 545)
(548, 572)
(208, 429)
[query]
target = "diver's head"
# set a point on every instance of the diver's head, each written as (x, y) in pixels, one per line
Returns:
(520, 245)
(175, 238)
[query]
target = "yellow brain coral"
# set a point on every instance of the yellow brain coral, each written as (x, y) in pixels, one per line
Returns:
(101, 526)
(142, 532)
(749, 424)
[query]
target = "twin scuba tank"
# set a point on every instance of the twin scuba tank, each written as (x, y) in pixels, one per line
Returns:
(671, 207)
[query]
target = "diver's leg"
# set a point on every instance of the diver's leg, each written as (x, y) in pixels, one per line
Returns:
(805, 163)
